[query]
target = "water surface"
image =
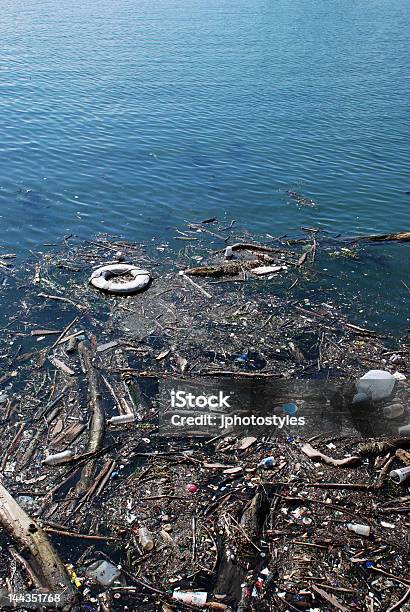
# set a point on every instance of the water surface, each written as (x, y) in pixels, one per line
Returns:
(134, 116)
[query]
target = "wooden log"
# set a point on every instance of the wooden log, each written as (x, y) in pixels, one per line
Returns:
(399, 237)
(229, 268)
(43, 559)
(250, 246)
(97, 424)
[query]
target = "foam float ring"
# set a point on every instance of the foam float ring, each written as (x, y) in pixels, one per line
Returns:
(104, 279)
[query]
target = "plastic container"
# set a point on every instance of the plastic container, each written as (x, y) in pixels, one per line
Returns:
(376, 384)
(267, 463)
(290, 409)
(363, 530)
(192, 598)
(146, 539)
(400, 475)
(394, 411)
(58, 458)
(103, 572)
(122, 418)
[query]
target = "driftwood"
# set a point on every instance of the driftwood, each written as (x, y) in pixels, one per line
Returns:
(399, 237)
(249, 246)
(229, 268)
(254, 515)
(330, 599)
(43, 560)
(97, 424)
(383, 446)
(312, 453)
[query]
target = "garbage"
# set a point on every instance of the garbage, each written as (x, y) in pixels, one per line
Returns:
(232, 519)
(103, 572)
(228, 252)
(262, 270)
(399, 376)
(121, 418)
(376, 385)
(58, 458)
(267, 463)
(363, 530)
(102, 279)
(146, 539)
(73, 575)
(400, 475)
(192, 598)
(290, 409)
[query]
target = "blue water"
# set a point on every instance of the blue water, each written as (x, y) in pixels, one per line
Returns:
(133, 116)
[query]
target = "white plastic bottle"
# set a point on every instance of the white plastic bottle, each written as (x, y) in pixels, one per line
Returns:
(193, 598)
(146, 539)
(363, 530)
(376, 384)
(400, 475)
(58, 458)
(121, 418)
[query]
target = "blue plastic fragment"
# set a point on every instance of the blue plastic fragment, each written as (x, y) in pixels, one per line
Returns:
(290, 408)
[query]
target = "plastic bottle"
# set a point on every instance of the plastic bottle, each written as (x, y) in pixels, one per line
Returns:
(400, 475)
(146, 539)
(376, 384)
(58, 458)
(122, 418)
(193, 598)
(363, 530)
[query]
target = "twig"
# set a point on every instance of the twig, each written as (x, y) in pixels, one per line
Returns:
(62, 299)
(73, 534)
(379, 570)
(341, 485)
(399, 604)
(330, 599)
(194, 284)
(63, 333)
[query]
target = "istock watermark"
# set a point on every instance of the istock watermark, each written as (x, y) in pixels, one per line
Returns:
(190, 412)
(212, 406)
(182, 399)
